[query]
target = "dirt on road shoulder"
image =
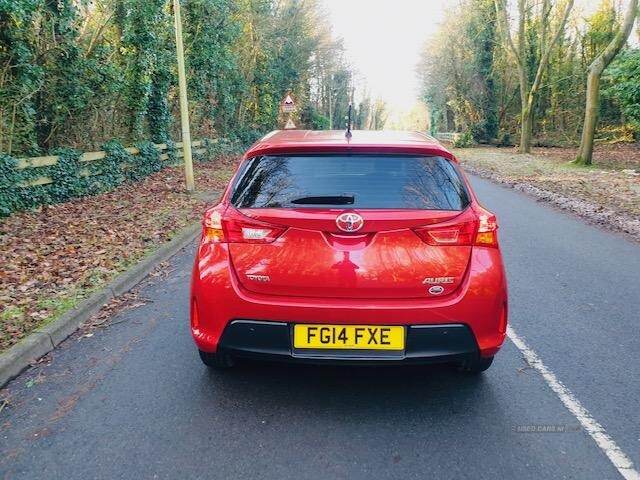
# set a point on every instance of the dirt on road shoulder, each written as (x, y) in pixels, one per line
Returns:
(606, 195)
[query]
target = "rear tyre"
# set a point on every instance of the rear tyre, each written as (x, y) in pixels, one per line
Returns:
(218, 360)
(476, 365)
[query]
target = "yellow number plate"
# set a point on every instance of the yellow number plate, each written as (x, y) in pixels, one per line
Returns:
(348, 337)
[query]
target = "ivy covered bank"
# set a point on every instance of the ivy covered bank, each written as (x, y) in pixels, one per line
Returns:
(85, 75)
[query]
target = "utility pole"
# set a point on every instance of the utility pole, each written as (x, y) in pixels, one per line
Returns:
(184, 103)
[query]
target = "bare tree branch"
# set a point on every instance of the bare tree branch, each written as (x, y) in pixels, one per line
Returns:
(547, 52)
(501, 12)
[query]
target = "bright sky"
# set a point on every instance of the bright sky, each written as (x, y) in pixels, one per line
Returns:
(384, 39)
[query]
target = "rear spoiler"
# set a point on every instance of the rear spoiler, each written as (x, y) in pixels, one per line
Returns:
(265, 148)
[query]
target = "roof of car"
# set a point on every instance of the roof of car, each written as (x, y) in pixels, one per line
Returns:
(335, 141)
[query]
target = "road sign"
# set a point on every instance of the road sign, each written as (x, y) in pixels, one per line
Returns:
(288, 105)
(290, 125)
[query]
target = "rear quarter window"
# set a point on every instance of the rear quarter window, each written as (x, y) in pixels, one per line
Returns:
(352, 181)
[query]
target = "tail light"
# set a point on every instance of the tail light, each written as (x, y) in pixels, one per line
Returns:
(475, 227)
(487, 228)
(227, 225)
(449, 234)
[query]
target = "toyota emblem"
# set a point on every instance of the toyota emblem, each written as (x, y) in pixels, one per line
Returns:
(349, 222)
(436, 290)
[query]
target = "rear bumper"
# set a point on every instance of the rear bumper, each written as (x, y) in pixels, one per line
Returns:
(217, 300)
(273, 341)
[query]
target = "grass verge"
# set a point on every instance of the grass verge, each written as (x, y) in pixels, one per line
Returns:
(607, 193)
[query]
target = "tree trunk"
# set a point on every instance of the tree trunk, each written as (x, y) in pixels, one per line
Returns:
(585, 154)
(592, 106)
(526, 114)
(526, 130)
(528, 94)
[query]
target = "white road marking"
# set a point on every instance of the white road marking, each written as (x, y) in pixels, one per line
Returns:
(623, 464)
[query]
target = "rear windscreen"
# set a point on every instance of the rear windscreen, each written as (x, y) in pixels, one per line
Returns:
(350, 181)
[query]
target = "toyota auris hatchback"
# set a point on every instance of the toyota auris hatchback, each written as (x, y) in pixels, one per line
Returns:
(326, 248)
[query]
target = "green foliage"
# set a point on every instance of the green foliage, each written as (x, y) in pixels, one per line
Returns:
(110, 171)
(158, 109)
(67, 181)
(9, 190)
(457, 72)
(470, 83)
(78, 73)
(215, 81)
(601, 28)
(464, 140)
(314, 119)
(61, 95)
(146, 57)
(222, 147)
(73, 178)
(504, 139)
(482, 29)
(622, 85)
(20, 76)
(145, 163)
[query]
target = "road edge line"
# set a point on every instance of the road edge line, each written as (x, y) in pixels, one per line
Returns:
(45, 339)
(596, 431)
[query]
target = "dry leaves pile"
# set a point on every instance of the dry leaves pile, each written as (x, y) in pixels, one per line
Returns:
(52, 258)
(612, 185)
(615, 156)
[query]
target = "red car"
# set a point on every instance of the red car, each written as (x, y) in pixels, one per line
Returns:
(327, 248)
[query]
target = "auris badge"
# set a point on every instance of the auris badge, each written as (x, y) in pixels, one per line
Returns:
(349, 222)
(438, 280)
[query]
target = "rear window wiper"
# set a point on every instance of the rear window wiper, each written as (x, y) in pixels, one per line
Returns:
(324, 200)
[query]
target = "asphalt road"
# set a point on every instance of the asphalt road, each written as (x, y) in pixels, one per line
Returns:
(133, 401)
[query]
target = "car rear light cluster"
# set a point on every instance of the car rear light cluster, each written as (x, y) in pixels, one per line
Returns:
(227, 225)
(487, 234)
(477, 227)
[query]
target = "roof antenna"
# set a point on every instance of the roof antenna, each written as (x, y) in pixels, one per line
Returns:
(348, 133)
